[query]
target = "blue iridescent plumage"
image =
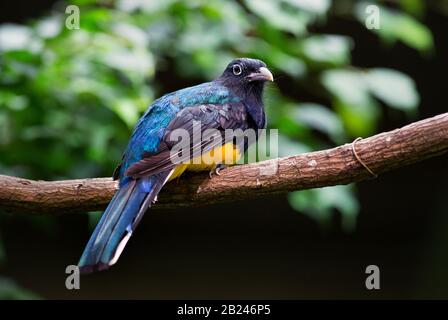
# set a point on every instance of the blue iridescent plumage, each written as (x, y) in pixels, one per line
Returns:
(228, 99)
(151, 126)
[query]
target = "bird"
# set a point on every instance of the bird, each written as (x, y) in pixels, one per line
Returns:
(234, 100)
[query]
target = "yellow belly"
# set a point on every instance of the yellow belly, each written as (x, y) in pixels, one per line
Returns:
(227, 154)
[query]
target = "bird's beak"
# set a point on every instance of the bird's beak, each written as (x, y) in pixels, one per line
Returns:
(263, 74)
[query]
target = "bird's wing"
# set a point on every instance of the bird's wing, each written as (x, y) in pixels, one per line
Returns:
(149, 132)
(200, 118)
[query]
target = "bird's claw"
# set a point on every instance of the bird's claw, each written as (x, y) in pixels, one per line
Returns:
(216, 171)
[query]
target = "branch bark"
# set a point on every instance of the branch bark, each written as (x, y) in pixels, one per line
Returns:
(381, 153)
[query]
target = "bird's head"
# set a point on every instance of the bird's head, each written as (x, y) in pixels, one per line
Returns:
(246, 74)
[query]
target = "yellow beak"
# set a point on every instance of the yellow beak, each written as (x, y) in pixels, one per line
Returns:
(266, 74)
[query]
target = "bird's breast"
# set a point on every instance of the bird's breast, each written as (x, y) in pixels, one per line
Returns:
(227, 154)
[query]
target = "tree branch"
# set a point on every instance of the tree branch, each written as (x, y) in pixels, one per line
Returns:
(381, 153)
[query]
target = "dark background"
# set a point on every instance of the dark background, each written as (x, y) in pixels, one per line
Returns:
(263, 248)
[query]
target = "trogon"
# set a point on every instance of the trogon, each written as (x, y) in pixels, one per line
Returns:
(232, 101)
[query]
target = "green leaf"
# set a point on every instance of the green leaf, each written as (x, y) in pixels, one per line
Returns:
(131, 33)
(288, 147)
(49, 27)
(394, 88)
(360, 119)
(11, 291)
(277, 58)
(137, 61)
(348, 85)
(98, 143)
(319, 204)
(395, 25)
(127, 110)
(320, 118)
(312, 6)
(275, 13)
(415, 7)
(352, 102)
(94, 218)
(147, 6)
(328, 48)
(13, 101)
(14, 37)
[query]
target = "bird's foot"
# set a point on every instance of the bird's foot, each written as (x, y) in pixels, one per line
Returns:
(217, 170)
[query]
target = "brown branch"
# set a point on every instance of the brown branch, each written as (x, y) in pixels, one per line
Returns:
(381, 153)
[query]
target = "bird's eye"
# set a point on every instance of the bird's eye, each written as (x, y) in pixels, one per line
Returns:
(237, 70)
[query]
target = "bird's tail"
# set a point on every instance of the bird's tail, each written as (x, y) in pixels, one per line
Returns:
(119, 220)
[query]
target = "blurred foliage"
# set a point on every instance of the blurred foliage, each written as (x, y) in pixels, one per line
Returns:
(11, 291)
(70, 98)
(319, 204)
